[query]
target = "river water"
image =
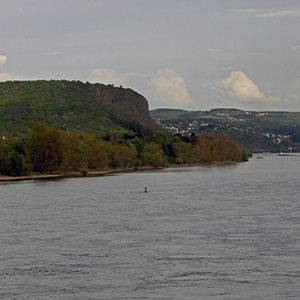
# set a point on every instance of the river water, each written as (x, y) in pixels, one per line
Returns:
(218, 232)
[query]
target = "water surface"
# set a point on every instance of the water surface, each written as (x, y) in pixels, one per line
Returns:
(220, 232)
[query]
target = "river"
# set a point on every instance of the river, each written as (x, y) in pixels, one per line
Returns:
(217, 232)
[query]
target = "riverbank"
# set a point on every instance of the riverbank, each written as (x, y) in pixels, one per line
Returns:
(4, 178)
(74, 174)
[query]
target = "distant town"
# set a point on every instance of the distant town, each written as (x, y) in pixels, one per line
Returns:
(257, 131)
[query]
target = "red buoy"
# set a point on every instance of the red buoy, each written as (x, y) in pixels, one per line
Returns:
(146, 189)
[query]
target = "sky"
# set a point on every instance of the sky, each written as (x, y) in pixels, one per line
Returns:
(185, 54)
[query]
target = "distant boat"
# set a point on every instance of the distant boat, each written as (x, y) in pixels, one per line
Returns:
(260, 156)
(285, 154)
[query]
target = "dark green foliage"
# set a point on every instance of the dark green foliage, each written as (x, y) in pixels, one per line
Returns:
(84, 171)
(72, 105)
(11, 162)
(161, 139)
(138, 163)
(139, 144)
(246, 155)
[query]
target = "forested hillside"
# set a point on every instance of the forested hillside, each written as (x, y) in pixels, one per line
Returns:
(255, 131)
(62, 127)
(72, 105)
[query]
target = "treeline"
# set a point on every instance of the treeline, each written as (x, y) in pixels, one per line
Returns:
(49, 150)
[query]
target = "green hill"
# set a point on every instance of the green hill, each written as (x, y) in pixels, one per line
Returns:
(72, 105)
(255, 131)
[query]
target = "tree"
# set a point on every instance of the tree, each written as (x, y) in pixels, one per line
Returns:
(160, 138)
(182, 152)
(153, 155)
(11, 162)
(46, 148)
(139, 144)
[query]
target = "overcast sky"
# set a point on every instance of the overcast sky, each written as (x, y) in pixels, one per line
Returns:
(193, 54)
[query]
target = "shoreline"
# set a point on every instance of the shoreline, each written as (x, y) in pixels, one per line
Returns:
(74, 174)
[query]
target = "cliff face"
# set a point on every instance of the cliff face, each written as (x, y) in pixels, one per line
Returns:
(72, 105)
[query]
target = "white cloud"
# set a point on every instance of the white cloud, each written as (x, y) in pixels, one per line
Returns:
(248, 10)
(106, 76)
(240, 87)
(4, 77)
(3, 60)
(282, 13)
(170, 88)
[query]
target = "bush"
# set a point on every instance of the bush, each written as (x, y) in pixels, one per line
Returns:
(11, 162)
(137, 163)
(84, 171)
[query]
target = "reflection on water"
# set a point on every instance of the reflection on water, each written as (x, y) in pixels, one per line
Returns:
(219, 232)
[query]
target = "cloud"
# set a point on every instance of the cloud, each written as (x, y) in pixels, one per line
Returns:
(4, 77)
(170, 88)
(282, 13)
(240, 87)
(248, 10)
(228, 68)
(106, 76)
(263, 13)
(296, 48)
(3, 60)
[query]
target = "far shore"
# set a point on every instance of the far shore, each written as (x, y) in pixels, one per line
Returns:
(74, 174)
(71, 174)
(58, 176)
